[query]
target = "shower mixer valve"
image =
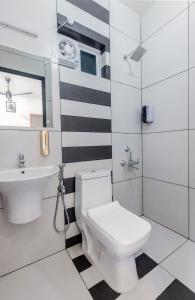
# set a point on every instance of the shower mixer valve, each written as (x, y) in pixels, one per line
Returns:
(130, 163)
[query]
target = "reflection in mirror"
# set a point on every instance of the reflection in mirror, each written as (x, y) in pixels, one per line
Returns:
(25, 89)
(21, 99)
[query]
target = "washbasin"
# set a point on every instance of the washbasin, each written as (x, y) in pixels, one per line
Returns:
(22, 191)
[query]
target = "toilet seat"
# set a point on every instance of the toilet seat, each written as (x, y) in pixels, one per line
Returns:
(124, 230)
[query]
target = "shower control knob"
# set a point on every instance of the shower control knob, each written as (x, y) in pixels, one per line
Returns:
(123, 163)
(126, 148)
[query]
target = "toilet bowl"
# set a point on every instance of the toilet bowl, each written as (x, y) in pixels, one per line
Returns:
(111, 235)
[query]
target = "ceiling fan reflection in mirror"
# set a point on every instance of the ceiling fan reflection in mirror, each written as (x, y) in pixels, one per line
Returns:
(10, 104)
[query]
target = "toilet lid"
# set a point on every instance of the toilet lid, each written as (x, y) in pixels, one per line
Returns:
(119, 223)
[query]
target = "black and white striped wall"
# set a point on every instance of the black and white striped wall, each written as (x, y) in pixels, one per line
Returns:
(85, 101)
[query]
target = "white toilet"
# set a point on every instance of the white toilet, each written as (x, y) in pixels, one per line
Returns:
(111, 235)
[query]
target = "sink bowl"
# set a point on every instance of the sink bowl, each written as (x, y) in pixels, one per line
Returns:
(22, 191)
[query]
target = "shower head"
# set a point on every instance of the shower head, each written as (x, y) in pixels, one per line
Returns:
(137, 54)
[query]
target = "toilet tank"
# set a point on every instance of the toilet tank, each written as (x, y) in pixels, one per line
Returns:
(93, 188)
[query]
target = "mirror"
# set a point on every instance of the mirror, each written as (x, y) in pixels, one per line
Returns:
(25, 89)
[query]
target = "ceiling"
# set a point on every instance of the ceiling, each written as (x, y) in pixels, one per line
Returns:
(140, 7)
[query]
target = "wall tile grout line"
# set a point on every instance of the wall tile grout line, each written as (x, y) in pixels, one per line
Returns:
(164, 25)
(142, 141)
(165, 131)
(188, 121)
(133, 178)
(164, 79)
(125, 34)
(168, 182)
(152, 219)
(128, 85)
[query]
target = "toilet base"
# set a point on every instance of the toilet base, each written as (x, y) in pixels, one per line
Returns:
(120, 275)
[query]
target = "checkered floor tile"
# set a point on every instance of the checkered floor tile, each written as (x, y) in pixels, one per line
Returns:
(155, 280)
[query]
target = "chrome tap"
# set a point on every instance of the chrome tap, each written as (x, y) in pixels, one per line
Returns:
(130, 163)
(21, 163)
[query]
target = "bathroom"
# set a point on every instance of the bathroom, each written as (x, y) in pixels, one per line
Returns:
(97, 143)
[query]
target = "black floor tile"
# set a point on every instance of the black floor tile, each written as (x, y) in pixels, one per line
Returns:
(102, 291)
(177, 291)
(144, 265)
(77, 239)
(81, 263)
(71, 215)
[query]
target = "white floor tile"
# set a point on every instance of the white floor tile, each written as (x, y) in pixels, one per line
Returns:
(75, 251)
(162, 242)
(150, 286)
(73, 230)
(182, 264)
(52, 278)
(91, 277)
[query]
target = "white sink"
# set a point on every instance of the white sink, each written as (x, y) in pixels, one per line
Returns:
(22, 191)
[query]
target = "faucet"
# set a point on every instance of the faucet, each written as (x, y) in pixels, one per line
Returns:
(130, 163)
(21, 163)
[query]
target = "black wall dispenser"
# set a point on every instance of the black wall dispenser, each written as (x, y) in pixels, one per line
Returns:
(148, 114)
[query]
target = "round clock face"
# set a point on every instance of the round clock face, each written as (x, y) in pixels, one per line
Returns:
(67, 49)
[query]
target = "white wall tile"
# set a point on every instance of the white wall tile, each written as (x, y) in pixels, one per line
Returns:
(170, 99)
(75, 108)
(159, 14)
(192, 214)
(192, 99)
(72, 168)
(166, 204)
(166, 156)
(14, 142)
(129, 194)
(104, 3)
(55, 97)
(192, 158)
(119, 142)
(191, 36)
(27, 142)
(51, 187)
(70, 200)
(77, 77)
(79, 139)
(23, 244)
(191, 2)
(121, 45)
(22, 14)
(167, 51)
(126, 108)
(105, 59)
(82, 17)
(125, 19)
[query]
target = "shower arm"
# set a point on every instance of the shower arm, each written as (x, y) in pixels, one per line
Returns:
(126, 56)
